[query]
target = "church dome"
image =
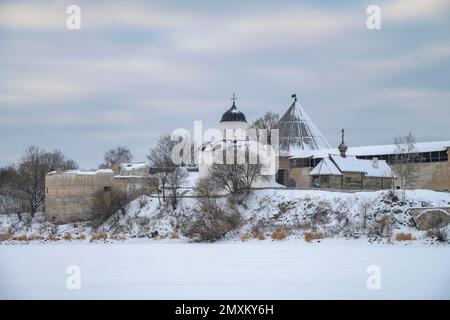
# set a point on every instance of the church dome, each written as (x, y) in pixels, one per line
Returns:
(233, 115)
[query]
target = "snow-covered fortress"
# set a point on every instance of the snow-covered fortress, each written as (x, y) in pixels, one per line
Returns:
(305, 160)
(308, 161)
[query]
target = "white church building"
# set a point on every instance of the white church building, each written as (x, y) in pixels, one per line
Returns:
(236, 144)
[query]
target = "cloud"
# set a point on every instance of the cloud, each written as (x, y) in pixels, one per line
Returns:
(51, 80)
(401, 10)
(32, 16)
(52, 16)
(266, 29)
(29, 89)
(389, 65)
(143, 68)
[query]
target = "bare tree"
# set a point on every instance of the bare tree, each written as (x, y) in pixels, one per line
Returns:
(210, 222)
(236, 179)
(7, 176)
(120, 154)
(56, 160)
(176, 178)
(152, 185)
(161, 161)
(31, 171)
(365, 212)
(269, 121)
(9, 200)
(171, 176)
(405, 155)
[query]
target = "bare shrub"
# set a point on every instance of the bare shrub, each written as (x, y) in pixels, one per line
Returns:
(382, 226)
(81, 237)
(279, 235)
(244, 237)
(286, 206)
(20, 238)
(67, 236)
(53, 237)
(143, 223)
(142, 202)
(257, 227)
(54, 229)
(404, 237)
(391, 196)
(440, 234)
(346, 223)
(310, 236)
(438, 229)
(321, 214)
(118, 237)
(210, 222)
(99, 236)
(36, 237)
(5, 237)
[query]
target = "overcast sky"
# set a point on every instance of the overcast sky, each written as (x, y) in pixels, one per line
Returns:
(139, 69)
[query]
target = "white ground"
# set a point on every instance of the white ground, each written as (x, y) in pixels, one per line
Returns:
(171, 269)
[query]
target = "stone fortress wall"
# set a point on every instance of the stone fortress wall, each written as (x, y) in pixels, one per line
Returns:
(69, 195)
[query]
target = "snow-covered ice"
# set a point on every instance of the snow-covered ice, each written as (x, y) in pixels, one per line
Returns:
(140, 267)
(171, 269)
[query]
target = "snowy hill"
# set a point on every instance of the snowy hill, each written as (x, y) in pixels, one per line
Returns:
(337, 214)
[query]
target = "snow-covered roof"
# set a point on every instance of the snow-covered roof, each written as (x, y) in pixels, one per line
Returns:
(325, 167)
(133, 166)
(336, 165)
(372, 150)
(225, 144)
(82, 173)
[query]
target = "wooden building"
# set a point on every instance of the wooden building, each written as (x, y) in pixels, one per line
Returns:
(348, 172)
(337, 172)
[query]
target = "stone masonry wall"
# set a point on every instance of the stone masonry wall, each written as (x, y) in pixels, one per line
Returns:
(68, 196)
(434, 176)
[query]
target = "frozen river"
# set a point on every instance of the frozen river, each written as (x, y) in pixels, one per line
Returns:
(333, 269)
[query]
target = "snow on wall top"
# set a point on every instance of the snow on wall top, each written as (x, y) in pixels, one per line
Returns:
(372, 150)
(133, 166)
(82, 173)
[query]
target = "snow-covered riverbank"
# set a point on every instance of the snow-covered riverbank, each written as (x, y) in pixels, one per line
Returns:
(338, 214)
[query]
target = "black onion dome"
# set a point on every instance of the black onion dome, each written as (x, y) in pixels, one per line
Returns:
(233, 114)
